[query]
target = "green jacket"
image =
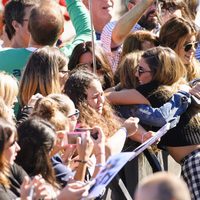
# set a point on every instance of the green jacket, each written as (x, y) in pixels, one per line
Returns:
(13, 60)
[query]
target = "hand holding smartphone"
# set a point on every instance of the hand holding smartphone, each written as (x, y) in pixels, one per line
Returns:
(72, 136)
(93, 133)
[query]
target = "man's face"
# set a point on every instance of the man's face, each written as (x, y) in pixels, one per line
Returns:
(101, 10)
(149, 20)
(22, 34)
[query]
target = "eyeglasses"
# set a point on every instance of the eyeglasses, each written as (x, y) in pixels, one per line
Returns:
(188, 46)
(76, 114)
(140, 70)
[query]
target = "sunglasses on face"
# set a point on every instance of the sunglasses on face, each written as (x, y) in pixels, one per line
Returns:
(140, 70)
(76, 114)
(188, 46)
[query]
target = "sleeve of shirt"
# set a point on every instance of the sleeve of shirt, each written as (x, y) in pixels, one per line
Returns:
(6, 194)
(62, 172)
(18, 172)
(171, 110)
(106, 36)
(79, 16)
(113, 53)
(106, 39)
(197, 53)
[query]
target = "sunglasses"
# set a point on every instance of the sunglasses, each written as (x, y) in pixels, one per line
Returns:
(76, 114)
(188, 46)
(140, 70)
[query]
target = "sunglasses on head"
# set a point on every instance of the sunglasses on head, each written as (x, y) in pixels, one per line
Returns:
(76, 114)
(140, 70)
(188, 46)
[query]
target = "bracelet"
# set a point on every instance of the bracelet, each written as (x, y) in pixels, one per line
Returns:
(99, 165)
(81, 161)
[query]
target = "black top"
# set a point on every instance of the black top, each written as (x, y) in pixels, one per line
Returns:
(17, 174)
(16, 178)
(6, 194)
(62, 172)
(186, 132)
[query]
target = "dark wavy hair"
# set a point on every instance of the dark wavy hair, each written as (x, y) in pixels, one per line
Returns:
(36, 139)
(102, 62)
(76, 88)
(6, 130)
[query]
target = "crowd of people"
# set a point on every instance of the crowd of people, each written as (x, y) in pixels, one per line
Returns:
(71, 99)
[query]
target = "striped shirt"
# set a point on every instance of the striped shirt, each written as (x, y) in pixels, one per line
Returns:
(106, 37)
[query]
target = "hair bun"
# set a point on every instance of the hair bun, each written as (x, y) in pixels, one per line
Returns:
(47, 108)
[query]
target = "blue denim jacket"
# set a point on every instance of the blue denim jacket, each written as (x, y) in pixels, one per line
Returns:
(158, 117)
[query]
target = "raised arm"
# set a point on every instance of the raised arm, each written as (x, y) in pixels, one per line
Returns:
(79, 16)
(127, 21)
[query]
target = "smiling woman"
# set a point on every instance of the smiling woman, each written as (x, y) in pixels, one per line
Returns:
(181, 35)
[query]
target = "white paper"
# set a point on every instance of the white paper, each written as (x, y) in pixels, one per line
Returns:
(116, 162)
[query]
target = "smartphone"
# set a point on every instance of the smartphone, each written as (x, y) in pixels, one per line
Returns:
(93, 135)
(71, 136)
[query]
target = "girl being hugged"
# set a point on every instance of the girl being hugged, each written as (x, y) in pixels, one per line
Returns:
(85, 90)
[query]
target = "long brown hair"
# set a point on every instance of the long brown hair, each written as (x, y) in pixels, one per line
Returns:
(36, 139)
(41, 74)
(134, 41)
(168, 69)
(172, 33)
(127, 69)
(103, 65)
(6, 130)
(76, 88)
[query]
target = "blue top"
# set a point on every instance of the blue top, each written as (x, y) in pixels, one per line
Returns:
(62, 172)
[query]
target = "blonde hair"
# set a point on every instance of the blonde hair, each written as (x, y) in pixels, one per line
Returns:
(8, 88)
(5, 111)
(41, 74)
